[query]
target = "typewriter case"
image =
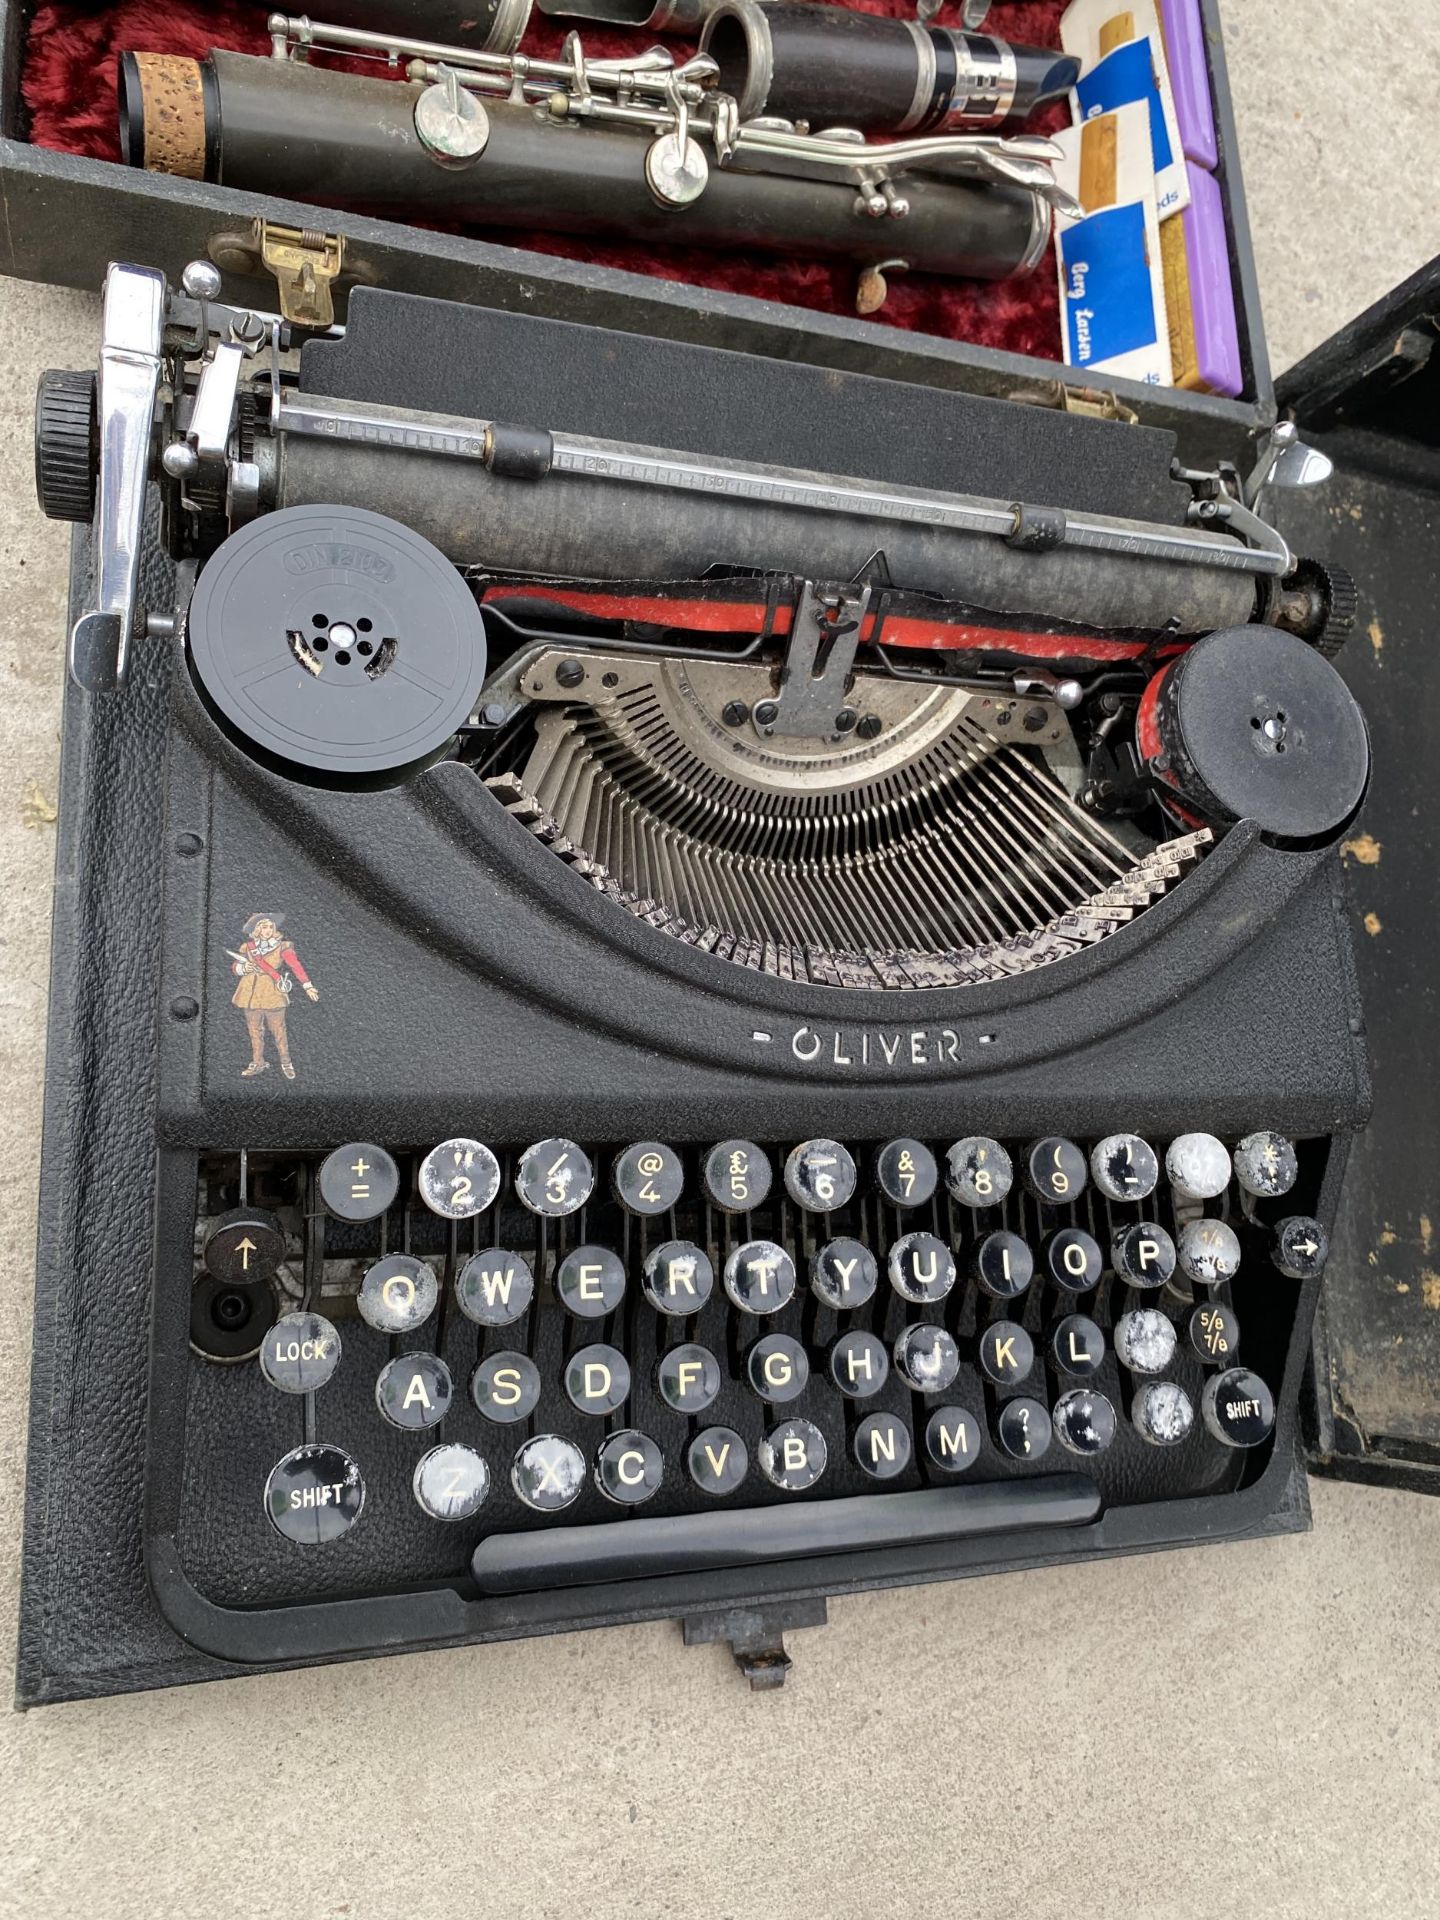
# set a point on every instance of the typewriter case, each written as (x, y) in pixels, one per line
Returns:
(110, 1602)
(1243, 999)
(1371, 399)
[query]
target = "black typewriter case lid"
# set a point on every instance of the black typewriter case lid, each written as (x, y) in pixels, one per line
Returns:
(1370, 400)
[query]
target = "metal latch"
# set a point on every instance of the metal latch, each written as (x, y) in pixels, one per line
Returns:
(1095, 404)
(304, 262)
(757, 1636)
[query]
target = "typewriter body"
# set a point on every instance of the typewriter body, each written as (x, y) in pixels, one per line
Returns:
(825, 1061)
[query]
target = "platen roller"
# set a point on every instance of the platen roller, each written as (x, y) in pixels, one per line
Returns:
(485, 494)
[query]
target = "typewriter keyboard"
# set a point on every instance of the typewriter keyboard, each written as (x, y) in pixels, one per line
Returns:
(487, 1358)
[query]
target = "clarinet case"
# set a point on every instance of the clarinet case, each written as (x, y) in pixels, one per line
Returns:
(72, 207)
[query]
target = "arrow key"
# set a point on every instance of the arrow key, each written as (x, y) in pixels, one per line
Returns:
(245, 1244)
(1301, 1247)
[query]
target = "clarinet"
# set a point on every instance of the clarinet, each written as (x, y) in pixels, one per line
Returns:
(827, 65)
(634, 149)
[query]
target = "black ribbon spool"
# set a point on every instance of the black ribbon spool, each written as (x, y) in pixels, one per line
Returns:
(335, 645)
(1254, 724)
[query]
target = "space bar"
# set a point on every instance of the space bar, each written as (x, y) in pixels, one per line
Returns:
(741, 1537)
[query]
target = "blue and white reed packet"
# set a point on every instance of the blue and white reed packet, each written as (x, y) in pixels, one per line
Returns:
(1121, 51)
(1112, 283)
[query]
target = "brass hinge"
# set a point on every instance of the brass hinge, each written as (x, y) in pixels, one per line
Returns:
(1095, 403)
(304, 262)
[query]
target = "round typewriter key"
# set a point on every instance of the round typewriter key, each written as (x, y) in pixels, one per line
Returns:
(459, 1179)
(1073, 1260)
(716, 1461)
(450, 1482)
(1301, 1247)
(548, 1472)
(230, 1318)
(1144, 1340)
(760, 1277)
(922, 1268)
(978, 1171)
(905, 1172)
(1055, 1170)
(677, 1278)
(1143, 1254)
(359, 1181)
(792, 1456)
(1208, 1251)
(300, 1352)
(1083, 1421)
(1022, 1427)
(688, 1377)
(314, 1495)
(952, 1439)
(554, 1178)
(820, 1176)
(777, 1368)
(881, 1446)
(597, 1379)
(928, 1358)
(1007, 1353)
(737, 1176)
(506, 1387)
(245, 1244)
(398, 1294)
(590, 1282)
(843, 1274)
(413, 1390)
(1238, 1408)
(648, 1178)
(495, 1287)
(628, 1467)
(1161, 1413)
(1265, 1165)
(1214, 1333)
(1124, 1167)
(1197, 1166)
(1078, 1345)
(859, 1365)
(1003, 1265)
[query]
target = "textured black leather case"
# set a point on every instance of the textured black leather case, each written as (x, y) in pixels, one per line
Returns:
(1231, 1000)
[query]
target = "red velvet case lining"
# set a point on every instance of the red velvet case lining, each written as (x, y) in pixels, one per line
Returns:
(68, 88)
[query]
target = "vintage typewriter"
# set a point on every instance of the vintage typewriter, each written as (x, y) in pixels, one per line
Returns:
(718, 982)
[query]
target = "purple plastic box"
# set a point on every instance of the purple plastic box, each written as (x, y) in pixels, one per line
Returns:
(1190, 80)
(1212, 292)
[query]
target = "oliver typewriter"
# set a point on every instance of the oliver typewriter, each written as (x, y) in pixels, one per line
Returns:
(720, 983)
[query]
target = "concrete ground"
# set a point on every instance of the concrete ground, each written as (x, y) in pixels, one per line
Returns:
(1245, 1729)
